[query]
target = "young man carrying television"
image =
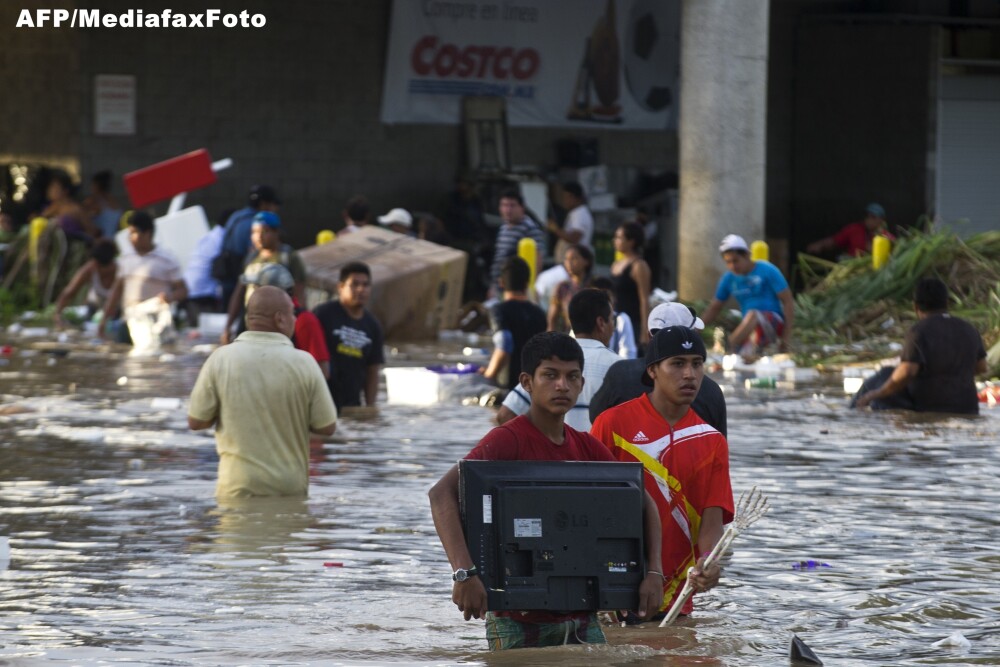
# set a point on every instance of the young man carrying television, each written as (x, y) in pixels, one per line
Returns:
(552, 374)
(686, 460)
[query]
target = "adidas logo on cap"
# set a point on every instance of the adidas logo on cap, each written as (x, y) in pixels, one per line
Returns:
(671, 342)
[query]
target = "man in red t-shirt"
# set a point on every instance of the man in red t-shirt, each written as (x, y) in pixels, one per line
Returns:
(686, 460)
(552, 374)
(853, 239)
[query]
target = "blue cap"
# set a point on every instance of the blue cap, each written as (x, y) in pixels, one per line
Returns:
(267, 218)
(875, 209)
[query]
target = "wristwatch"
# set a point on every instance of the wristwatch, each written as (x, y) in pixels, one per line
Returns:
(463, 574)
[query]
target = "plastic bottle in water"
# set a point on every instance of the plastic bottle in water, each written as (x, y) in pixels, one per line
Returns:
(761, 383)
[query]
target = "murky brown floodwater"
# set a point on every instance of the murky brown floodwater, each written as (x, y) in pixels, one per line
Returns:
(120, 554)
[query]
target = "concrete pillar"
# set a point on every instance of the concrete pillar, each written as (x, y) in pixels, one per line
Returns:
(723, 91)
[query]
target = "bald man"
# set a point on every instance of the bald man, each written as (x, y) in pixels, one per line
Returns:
(264, 398)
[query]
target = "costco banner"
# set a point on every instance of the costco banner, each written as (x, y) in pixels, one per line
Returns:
(558, 63)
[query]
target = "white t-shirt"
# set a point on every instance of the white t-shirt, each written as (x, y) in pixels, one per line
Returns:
(579, 219)
(145, 276)
(546, 283)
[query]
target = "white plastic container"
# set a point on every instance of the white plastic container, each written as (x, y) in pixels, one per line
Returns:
(34, 332)
(805, 374)
(210, 325)
(419, 386)
(769, 367)
(852, 384)
(150, 325)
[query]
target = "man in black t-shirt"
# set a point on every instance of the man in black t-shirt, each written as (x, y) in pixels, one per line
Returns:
(938, 366)
(622, 381)
(514, 321)
(353, 337)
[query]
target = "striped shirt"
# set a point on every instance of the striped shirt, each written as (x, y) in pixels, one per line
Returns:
(507, 240)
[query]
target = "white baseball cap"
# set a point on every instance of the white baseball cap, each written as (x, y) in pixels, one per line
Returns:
(397, 216)
(733, 242)
(673, 314)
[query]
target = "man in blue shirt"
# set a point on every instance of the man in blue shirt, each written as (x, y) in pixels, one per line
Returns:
(763, 295)
(204, 290)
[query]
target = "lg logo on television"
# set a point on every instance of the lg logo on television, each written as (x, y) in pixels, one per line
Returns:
(565, 521)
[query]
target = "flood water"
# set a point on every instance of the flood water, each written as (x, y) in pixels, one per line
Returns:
(119, 553)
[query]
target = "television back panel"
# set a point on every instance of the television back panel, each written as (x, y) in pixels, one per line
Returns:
(556, 536)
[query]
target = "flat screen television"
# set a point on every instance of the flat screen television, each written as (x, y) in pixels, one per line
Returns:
(555, 535)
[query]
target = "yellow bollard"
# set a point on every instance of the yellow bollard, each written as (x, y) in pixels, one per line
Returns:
(880, 251)
(759, 251)
(528, 251)
(325, 236)
(35, 231)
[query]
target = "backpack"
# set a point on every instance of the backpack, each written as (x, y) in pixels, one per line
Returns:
(227, 267)
(228, 264)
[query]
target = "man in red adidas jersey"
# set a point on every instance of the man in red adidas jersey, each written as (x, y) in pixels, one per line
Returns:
(686, 460)
(552, 374)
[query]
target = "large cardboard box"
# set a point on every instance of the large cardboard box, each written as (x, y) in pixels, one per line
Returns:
(416, 285)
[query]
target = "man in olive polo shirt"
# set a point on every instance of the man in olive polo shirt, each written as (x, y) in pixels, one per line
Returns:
(264, 398)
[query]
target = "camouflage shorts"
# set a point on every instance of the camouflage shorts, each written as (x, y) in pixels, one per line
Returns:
(503, 632)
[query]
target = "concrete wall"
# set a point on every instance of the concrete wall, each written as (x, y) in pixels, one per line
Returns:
(786, 16)
(851, 109)
(295, 104)
(785, 75)
(863, 123)
(40, 95)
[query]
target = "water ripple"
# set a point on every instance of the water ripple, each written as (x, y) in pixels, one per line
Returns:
(119, 553)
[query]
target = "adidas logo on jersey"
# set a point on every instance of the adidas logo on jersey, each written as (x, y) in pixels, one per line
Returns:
(640, 437)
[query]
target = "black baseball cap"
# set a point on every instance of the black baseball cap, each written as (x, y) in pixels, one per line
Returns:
(671, 342)
(263, 193)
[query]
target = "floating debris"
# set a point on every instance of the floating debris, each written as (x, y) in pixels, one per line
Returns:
(801, 654)
(954, 640)
(809, 565)
(851, 300)
(165, 403)
(230, 610)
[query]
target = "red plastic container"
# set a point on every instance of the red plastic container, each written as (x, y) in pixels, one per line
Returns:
(166, 179)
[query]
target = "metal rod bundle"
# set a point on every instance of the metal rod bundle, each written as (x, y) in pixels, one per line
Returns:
(751, 507)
